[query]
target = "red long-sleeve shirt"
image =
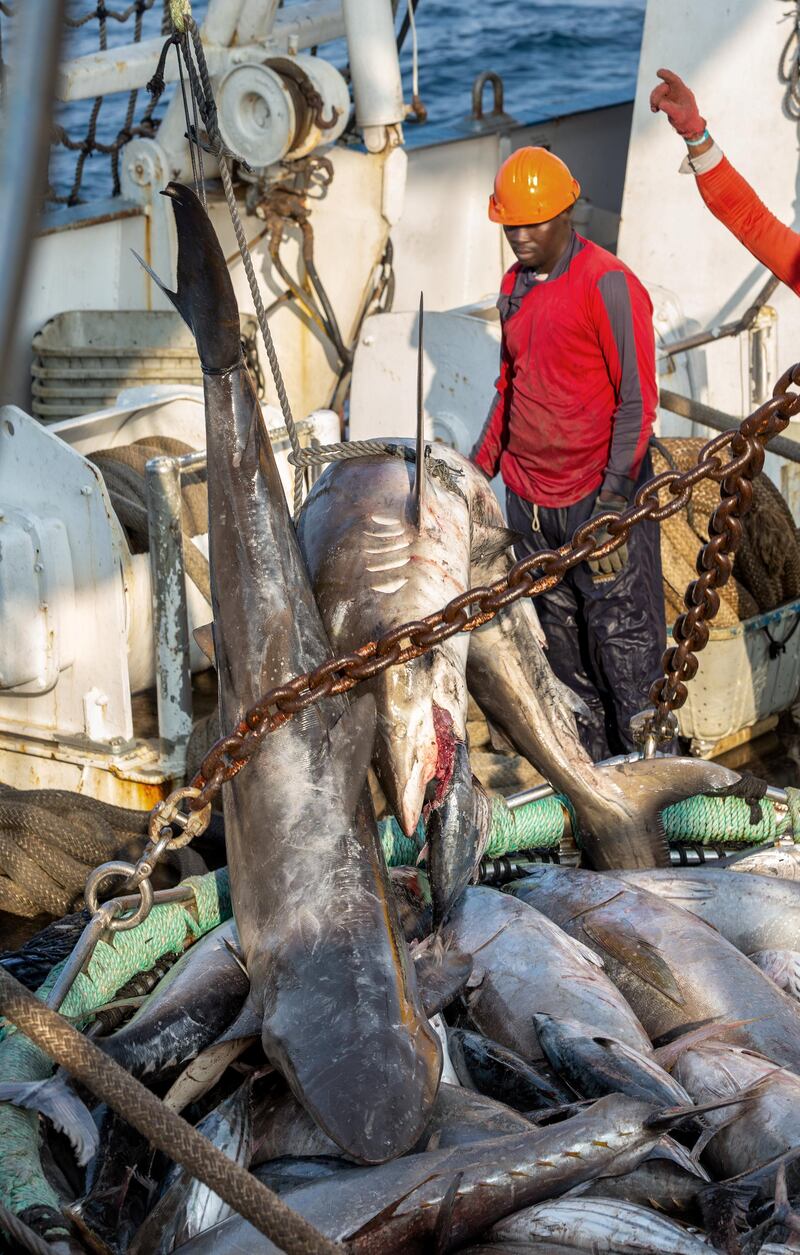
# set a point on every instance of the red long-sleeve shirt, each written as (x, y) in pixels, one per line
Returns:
(731, 199)
(577, 395)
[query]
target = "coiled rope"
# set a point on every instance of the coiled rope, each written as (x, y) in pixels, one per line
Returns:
(540, 825)
(50, 839)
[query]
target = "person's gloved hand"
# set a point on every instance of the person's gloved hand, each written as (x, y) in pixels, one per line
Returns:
(611, 565)
(677, 100)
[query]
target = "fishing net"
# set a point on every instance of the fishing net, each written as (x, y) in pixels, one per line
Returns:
(50, 839)
(88, 135)
(767, 568)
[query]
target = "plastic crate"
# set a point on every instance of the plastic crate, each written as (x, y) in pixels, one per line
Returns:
(745, 674)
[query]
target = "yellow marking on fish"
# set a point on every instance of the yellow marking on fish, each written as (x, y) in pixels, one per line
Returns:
(391, 565)
(572, 1154)
(383, 521)
(605, 1145)
(544, 1163)
(391, 586)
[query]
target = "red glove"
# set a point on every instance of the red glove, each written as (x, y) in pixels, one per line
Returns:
(677, 100)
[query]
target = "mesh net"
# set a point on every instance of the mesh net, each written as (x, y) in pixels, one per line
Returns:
(88, 135)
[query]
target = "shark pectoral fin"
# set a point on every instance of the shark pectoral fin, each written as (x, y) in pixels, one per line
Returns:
(666, 780)
(351, 744)
(204, 638)
(489, 544)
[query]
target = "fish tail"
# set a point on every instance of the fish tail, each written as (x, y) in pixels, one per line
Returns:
(204, 298)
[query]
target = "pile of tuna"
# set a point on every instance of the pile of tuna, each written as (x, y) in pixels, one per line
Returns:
(618, 1076)
(603, 1060)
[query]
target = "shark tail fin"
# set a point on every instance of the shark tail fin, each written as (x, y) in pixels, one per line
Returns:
(204, 298)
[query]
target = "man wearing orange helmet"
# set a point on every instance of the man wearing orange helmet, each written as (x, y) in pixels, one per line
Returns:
(568, 430)
(729, 197)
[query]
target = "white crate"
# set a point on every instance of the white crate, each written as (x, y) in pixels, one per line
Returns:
(737, 682)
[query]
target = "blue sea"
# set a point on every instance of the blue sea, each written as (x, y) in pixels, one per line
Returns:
(554, 58)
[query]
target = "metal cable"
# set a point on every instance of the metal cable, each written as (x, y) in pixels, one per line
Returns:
(300, 458)
(163, 1128)
(204, 96)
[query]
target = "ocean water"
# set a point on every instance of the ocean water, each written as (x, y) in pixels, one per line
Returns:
(553, 57)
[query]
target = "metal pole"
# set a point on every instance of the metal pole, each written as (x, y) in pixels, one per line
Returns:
(696, 412)
(24, 152)
(170, 614)
(773, 793)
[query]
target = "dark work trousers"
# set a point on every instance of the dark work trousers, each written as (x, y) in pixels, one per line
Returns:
(604, 640)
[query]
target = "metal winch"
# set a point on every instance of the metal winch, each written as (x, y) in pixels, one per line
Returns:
(281, 109)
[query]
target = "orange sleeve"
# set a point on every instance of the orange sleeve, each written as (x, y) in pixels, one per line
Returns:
(731, 199)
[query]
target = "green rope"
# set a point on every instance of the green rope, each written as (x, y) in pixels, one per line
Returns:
(539, 825)
(168, 929)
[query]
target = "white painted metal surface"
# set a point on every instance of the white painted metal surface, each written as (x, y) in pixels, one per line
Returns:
(737, 682)
(374, 68)
(129, 66)
(350, 237)
(445, 243)
(461, 355)
(76, 607)
(667, 235)
(42, 479)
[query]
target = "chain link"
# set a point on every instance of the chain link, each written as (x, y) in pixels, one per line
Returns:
(476, 606)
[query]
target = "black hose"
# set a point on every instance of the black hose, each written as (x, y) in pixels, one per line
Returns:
(332, 323)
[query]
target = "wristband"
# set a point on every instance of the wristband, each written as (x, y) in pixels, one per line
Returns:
(695, 143)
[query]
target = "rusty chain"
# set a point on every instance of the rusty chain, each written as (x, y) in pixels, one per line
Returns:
(476, 606)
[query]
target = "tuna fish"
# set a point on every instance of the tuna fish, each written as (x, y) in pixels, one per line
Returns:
(595, 1065)
(330, 975)
(746, 1136)
(508, 674)
(669, 1179)
(781, 966)
(781, 860)
(187, 1010)
(523, 964)
(187, 1207)
(673, 968)
(599, 1225)
(489, 1068)
(752, 912)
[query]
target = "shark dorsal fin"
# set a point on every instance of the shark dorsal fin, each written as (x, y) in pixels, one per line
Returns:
(419, 474)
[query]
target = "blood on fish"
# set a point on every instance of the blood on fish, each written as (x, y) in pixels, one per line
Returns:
(445, 755)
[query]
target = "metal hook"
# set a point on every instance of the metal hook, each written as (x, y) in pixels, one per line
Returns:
(487, 76)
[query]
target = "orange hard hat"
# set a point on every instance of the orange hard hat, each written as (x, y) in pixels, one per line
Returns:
(532, 185)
